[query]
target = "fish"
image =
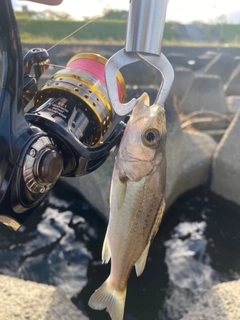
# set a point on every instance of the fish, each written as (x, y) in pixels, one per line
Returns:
(137, 203)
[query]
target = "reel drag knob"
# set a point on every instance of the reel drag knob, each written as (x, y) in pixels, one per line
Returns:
(49, 166)
(43, 166)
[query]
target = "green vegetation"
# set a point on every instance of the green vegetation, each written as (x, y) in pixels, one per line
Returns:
(52, 31)
(49, 27)
(45, 15)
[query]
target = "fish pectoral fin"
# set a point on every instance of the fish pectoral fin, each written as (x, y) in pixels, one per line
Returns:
(140, 264)
(106, 253)
(120, 193)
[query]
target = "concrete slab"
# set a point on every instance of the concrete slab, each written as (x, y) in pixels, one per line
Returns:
(183, 78)
(222, 302)
(233, 104)
(22, 300)
(232, 87)
(222, 65)
(226, 165)
(205, 93)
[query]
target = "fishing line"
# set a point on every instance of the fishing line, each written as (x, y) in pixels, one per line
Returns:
(95, 18)
(58, 66)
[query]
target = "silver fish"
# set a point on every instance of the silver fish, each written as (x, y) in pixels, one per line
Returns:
(137, 203)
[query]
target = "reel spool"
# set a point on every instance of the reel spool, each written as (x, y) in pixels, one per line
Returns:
(73, 108)
(82, 81)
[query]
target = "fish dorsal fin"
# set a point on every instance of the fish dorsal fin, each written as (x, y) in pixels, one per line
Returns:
(106, 253)
(140, 264)
(143, 102)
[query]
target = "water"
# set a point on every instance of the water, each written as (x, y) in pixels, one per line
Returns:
(196, 247)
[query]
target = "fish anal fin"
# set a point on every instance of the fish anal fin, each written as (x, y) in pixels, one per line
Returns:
(106, 253)
(140, 264)
(107, 297)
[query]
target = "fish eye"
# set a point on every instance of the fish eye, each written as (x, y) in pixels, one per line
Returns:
(151, 137)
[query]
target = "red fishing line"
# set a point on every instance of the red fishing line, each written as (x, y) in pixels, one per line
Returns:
(95, 68)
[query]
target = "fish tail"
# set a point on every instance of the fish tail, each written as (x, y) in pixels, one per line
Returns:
(111, 299)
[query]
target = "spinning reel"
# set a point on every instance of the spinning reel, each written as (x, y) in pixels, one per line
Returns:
(63, 133)
(67, 127)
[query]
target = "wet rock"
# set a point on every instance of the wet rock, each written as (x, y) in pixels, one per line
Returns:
(190, 273)
(226, 164)
(30, 300)
(233, 104)
(222, 65)
(221, 302)
(205, 93)
(50, 253)
(232, 87)
(188, 156)
(183, 78)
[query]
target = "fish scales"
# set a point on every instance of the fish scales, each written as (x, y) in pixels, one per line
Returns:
(137, 203)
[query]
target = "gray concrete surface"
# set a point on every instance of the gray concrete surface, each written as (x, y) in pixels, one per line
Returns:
(178, 59)
(26, 300)
(232, 87)
(226, 165)
(222, 302)
(183, 78)
(222, 65)
(205, 93)
(233, 104)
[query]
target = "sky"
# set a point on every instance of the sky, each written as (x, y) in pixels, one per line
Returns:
(183, 11)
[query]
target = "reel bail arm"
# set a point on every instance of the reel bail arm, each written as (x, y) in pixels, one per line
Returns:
(38, 60)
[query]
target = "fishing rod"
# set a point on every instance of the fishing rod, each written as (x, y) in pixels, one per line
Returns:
(71, 124)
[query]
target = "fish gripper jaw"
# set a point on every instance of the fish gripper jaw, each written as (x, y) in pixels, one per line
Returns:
(143, 42)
